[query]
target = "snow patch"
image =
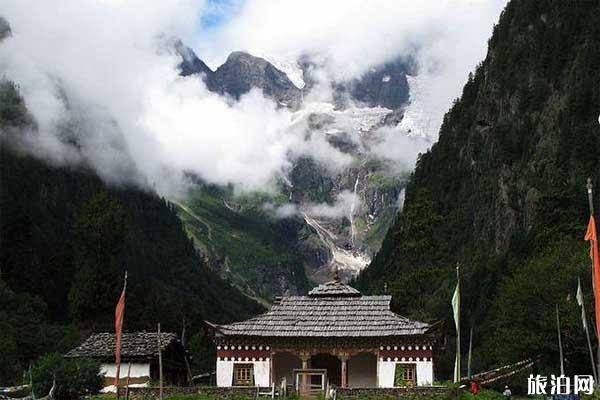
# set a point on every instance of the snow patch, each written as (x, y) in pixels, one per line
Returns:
(353, 120)
(288, 66)
(417, 121)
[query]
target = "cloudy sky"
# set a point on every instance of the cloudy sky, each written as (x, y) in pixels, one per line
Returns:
(101, 70)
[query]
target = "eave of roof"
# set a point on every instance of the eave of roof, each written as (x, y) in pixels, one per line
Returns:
(336, 317)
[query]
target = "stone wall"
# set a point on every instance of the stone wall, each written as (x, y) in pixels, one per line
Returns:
(218, 392)
(419, 392)
(414, 393)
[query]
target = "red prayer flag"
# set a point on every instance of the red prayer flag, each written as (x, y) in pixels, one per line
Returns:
(592, 237)
(119, 312)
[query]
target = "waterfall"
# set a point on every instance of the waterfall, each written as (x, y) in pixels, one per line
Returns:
(351, 261)
(352, 211)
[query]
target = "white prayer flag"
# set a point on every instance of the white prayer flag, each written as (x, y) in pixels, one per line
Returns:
(456, 309)
(581, 304)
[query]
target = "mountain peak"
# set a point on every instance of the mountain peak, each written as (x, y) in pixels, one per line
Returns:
(242, 56)
(190, 63)
(242, 71)
(239, 74)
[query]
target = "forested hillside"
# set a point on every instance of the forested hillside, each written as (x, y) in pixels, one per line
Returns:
(503, 193)
(66, 239)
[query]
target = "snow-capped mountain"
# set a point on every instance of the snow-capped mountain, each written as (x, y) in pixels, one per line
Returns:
(336, 216)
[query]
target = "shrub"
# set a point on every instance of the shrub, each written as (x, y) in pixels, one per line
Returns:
(74, 377)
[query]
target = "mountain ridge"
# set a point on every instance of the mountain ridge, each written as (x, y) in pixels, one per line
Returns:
(503, 192)
(383, 85)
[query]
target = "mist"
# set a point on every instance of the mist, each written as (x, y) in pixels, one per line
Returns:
(102, 72)
(344, 203)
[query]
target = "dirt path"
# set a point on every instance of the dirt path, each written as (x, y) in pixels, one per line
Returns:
(188, 211)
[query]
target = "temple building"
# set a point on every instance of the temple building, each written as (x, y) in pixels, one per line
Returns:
(333, 336)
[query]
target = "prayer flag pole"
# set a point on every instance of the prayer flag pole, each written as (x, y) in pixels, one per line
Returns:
(560, 349)
(581, 302)
(591, 236)
(119, 313)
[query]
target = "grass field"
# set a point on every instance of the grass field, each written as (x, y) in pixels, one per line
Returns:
(248, 245)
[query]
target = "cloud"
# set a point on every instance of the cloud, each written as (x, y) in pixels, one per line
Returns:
(105, 70)
(399, 147)
(84, 69)
(245, 142)
(101, 81)
(447, 38)
(345, 204)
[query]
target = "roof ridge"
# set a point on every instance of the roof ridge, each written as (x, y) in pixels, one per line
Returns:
(335, 288)
(137, 343)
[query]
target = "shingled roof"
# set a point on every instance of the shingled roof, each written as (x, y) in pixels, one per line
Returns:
(134, 345)
(330, 310)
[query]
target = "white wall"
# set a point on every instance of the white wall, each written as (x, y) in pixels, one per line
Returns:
(387, 370)
(262, 372)
(224, 373)
(424, 373)
(138, 370)
(386, 373)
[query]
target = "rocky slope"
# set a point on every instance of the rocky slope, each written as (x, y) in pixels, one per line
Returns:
(383, 85)
(242, 72)
(503, 192)
(360, 198)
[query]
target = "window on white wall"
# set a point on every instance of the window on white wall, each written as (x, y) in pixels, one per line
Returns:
(243, 375)
(405, 375)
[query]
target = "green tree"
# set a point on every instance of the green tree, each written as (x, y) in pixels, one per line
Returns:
(98, 239)
(25, 333)
(203, 352)
(525, 309)
(75, 378)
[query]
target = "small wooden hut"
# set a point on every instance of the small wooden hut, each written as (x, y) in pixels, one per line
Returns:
(140, 351)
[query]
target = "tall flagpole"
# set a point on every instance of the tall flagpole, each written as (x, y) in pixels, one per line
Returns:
(127, 382)
(560, 349)
(160, 365)
(470, 352)
(119, 313)
(590, 194)
(458, 322)
(581, 301)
